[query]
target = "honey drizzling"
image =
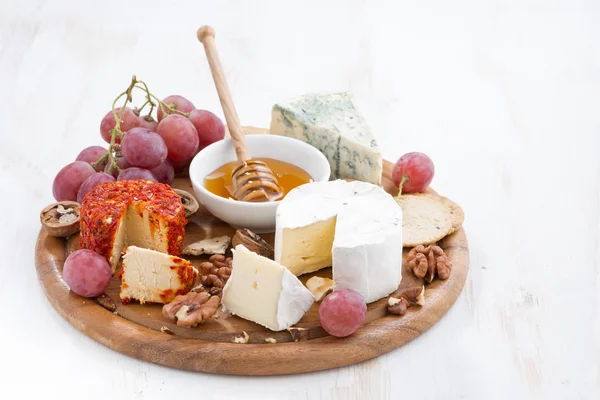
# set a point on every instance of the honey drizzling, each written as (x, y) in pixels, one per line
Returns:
(288, 175)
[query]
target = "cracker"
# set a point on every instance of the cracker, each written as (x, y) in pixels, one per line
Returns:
(457, 216)
(216, 245)
(425, 219)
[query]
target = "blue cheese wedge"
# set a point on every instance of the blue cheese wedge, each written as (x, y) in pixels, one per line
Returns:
(262, 291)
(331, 123)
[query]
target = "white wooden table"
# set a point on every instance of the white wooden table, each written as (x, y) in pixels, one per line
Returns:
(504, 96)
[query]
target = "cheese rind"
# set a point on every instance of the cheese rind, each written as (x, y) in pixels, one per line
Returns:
(332, 123)
(150, 276)
(366, 246)
(262, 291)
(140, 213)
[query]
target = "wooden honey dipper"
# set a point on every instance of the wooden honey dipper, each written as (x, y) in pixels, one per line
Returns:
(252, 180)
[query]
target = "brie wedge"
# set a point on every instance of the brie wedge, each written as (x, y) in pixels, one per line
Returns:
(331, 123)
(262, 291)
(354, 226)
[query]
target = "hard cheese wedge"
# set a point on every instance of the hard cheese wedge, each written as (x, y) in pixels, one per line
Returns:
(262, 291)
(155, 277)
(331, 123)
(354, 226)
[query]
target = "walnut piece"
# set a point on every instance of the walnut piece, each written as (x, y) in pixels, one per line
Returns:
(270, 340)
(214, 274)
(165, 329)
(401, 299)
(191, 309)
(242, 339)
(61, 219)
(299, 334)
(426, 262)
(253, 242)
(414, 294)
(397, 306)
(190, 204)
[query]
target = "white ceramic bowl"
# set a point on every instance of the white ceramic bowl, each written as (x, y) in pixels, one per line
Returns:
(258, 217)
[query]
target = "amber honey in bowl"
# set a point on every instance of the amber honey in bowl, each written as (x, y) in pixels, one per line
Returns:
(288, 176)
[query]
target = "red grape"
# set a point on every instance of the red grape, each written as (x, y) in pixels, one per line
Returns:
(342, 312)
(121, 163)
(180, 136)
(210, 128)
(68, 180)
(91, 155)
(179, 102)
(129, 121)
(134, 173)
(417, 171)
(149, 123)
(91, 182)
(164, 173)
(143, 148)
(86, 273)
(180, 166)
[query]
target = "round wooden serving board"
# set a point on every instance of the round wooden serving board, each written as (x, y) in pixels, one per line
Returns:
(135, 329)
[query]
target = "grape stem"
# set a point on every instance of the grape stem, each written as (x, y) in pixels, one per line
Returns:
(116, 132)
(402, 182)
(166, 108)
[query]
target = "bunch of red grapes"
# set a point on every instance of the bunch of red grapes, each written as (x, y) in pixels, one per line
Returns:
(140, 147)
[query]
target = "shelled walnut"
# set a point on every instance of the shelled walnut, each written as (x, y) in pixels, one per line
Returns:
(214, 274)
(426, 262)
(191, 309)
(397, 306)
(400, 300)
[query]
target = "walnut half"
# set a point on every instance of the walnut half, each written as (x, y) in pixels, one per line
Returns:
(426, 262)
(191, 309)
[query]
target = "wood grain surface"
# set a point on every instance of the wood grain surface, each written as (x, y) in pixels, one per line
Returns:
(135, 329)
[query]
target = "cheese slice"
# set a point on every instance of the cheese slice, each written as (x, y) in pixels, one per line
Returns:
(331, 123)
(362, 239)
(150, 276)
(262, 291)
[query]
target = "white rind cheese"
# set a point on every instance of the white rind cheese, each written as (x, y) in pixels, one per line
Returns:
(262, 291)
(331, 123)
(364, 241)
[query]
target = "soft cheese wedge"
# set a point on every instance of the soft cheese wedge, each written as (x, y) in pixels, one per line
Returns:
(354, 226)
(262, 291)
(150, 276)
(331, 123)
